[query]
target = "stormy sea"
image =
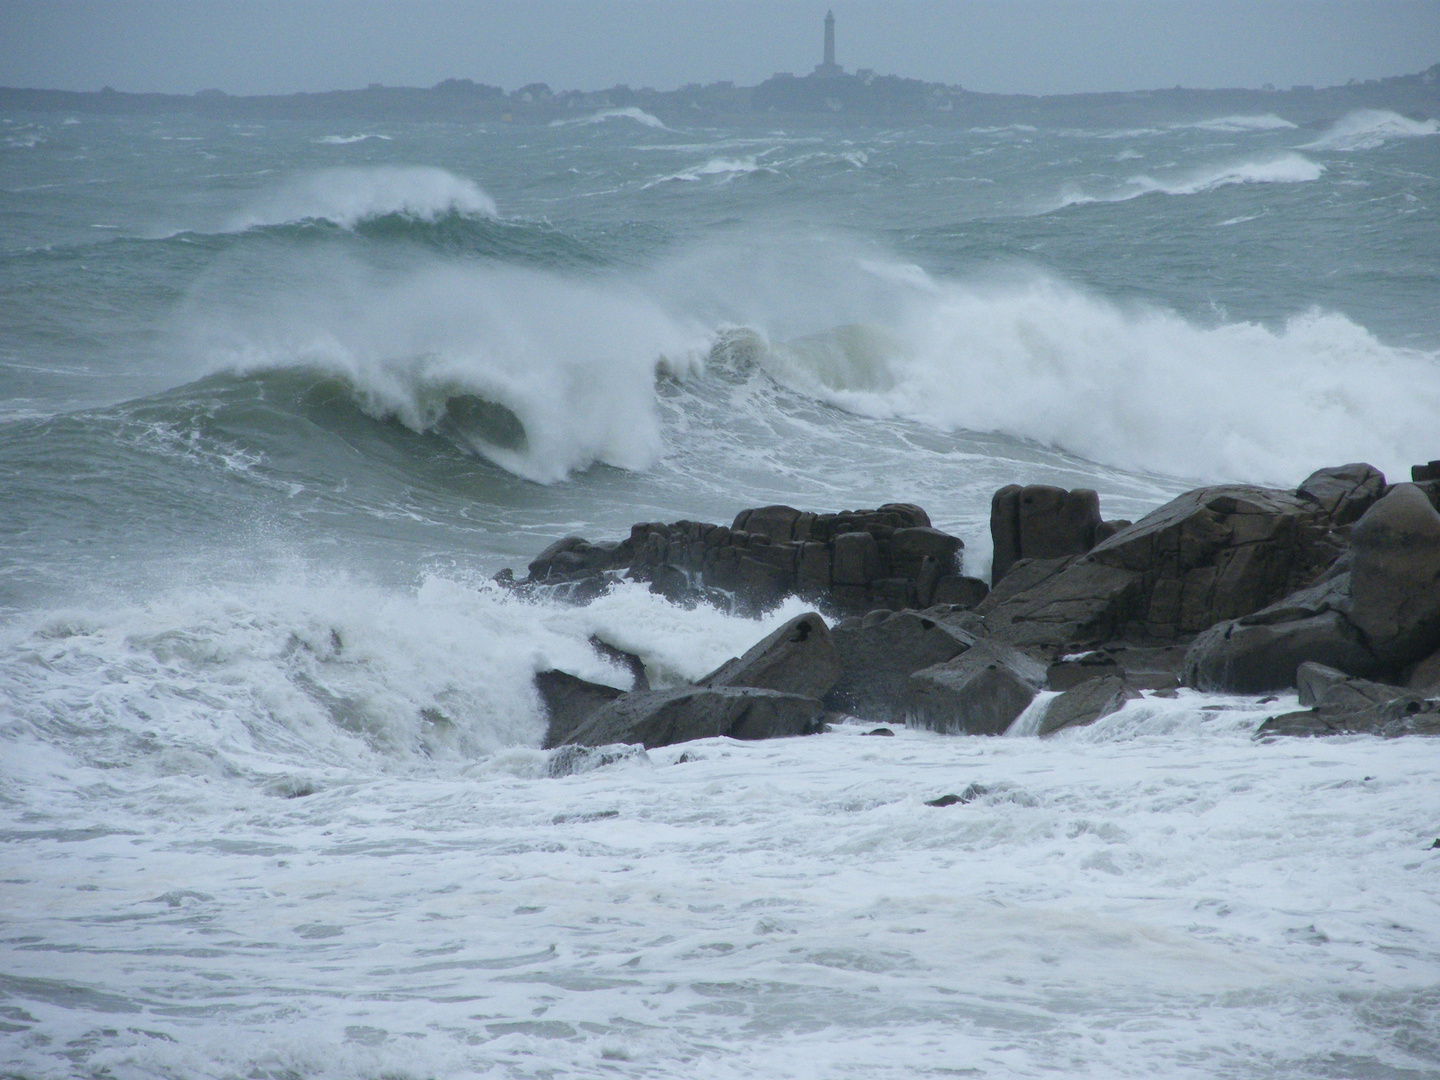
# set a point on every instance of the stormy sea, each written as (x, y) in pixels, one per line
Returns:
(277, 401)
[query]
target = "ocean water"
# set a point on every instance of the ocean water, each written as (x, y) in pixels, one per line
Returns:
(276, 399)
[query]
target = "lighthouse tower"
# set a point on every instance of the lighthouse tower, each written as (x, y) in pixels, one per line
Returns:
(829, 68)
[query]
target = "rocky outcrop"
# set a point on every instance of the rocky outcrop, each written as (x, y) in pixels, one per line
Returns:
(1212, 554)
(570, 701)
(880, 652)
(1341, 704)
(981, 691)
(662, 717)
(1395, 580)
(1040, 522)
(1375, 612)
(799, 658)
(850, 562)
(1085, 703)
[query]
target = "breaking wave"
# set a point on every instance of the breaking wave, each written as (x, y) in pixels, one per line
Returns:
(1366, 129)
(1265, 122)
(1289, 168)
(349, 196)
(640, 116)
(346, 140)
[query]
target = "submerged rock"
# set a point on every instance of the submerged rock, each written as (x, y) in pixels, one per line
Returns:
(570, 760)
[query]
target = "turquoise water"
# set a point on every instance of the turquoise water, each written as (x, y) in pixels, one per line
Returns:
(276, 399)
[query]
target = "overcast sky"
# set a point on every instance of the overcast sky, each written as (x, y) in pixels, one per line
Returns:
(1029, 46)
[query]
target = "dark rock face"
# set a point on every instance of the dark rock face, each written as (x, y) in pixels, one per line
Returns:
(1065, 674)
(1237, 657)
(880, 652)
(1211, 554)
(851, 562)
(798, 658)
(1344, 492)
(1395, 580)
(1342, 705)
(1039, 522)
(1086, 703)
(570, 760)
(662, 717)
(979, 692)
(570, 702)
(627, 660)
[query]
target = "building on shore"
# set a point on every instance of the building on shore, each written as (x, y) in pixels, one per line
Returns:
(828, 69)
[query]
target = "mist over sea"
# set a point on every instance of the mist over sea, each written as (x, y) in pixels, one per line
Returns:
(278, 398)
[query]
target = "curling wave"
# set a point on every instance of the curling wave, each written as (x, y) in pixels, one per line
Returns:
(348, 196)
(1366, 129)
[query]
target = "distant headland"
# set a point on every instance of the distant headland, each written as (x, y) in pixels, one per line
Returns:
(856, 98)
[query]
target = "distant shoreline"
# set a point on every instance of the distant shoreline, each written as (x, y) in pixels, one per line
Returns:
(843, 100)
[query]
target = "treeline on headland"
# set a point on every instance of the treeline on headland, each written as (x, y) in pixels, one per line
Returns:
(842, 99)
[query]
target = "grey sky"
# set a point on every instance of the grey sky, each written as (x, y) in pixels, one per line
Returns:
(1032, 46)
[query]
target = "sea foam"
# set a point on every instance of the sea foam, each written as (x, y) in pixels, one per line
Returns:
(348, 196)
(640, 116)
(1287, 168)
(1366, 129)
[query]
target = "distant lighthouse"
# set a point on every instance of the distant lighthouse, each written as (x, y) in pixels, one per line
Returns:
(829, 68)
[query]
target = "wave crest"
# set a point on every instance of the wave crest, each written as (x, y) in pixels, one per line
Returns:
(1289, 168)
(640, 116)
(348, 196)
(1366, 129)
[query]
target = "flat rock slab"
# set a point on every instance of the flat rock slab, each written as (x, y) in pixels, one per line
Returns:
(663, 717)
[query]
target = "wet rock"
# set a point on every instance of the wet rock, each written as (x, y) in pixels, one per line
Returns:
(1426, 674)
(627, 660)
(569, 702)
(1344, 492)
(970, 794)
(883, 731)
(879, 653)
(798, 658)
(663, 717)
(1239, 658)
(979, 692)
(570, 760)
(1212, 554)
(1395, 579)
(1040, 522)
(1072, 671)
(1341, 704)
(1086, 703)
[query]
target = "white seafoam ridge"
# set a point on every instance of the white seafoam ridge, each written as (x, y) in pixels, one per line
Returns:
(638, 115)
(276, 886)
(348, 196)
(1284, 168)
(575, 361)
(1367, 129)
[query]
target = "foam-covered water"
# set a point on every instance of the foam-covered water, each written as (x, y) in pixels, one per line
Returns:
(279, 398)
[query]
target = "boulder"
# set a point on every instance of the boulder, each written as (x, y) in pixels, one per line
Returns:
(1072, 671)
(1250, 656)
(570, 760)
(1086, 703)
(662, 717)
(570, 702)
(1212, 554)
(798, 658)
(1426, 674)
(1395, 579)
(979, 692)
(1040, 522)
(879, 653)
(1344, 492)
(1341, 705)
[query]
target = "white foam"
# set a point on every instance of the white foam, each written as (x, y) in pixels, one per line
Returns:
(640, 116)
(574, 361)
(1366, 129)
(726, 169)
(1287, 168)
(346, 140)
(348, 196)
(1140, 389)
(1264, 122)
